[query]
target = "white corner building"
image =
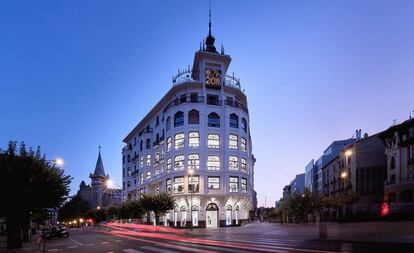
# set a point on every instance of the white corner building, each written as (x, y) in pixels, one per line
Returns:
(195, 144)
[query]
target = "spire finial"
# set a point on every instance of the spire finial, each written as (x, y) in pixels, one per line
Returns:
(209, 20)
(99, 149)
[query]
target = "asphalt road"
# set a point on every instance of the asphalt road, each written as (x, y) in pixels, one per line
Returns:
(254, 238)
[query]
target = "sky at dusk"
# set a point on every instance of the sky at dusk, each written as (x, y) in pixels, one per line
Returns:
(78, 74)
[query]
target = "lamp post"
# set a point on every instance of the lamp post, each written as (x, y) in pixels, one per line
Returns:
(191, 189)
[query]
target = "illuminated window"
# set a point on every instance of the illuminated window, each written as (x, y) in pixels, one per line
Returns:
(213, 182)
(193, 139)
(168, 185)
(168, 165)
(193, 161)
(141, 161)
(179, 141)
(193, 117)
(141, 192)
(213, 120)
(179, 162)
(157, 170)
(233, 141)
(148, 175)
(179, 185)
(141, 178)
(193, 185)
(213, 141)
(148, 160)
(234, 184)
(234, 121)
(129, 172)
(178, 119)
(168, 144)
(244, 165)
(213, 162)
(233, 162)
(243, 144)
(243, 185)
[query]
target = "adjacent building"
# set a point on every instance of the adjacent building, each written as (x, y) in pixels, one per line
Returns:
(195, 143)
(360, 168)
(399, 151)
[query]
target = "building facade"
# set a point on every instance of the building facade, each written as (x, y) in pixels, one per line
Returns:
(195, 143)
(360, 169)
(399, 150)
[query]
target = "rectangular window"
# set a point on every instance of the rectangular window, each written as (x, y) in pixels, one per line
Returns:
(233, 141)
(141, 161)
(234, 184)
(148, 146)
(213, 162)
(179, 141)
(213, 182)
(179, 185)
(193, 184)
(213, 100)
(213, 141)
(193, 161)
(244, 165)
(233, 162)
(168, 185)
(168, 165)
(168, 144)
(141, 178)
(243, 144)
(148, 175)
(178, 162)
(193, 97)
(141, 192)
(148, 160)
(193, 139)
(243, 185)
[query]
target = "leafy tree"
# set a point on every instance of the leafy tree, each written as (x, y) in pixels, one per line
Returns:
(73, 209)
(36, 184)
(159, 204)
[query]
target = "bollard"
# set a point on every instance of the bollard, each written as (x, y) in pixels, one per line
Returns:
(323, 230)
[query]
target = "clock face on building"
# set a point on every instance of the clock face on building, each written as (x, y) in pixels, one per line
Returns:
(213, 77)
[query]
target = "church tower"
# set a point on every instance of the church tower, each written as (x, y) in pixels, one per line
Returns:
(98, 180)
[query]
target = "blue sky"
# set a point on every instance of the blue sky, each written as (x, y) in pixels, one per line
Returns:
(78, 74)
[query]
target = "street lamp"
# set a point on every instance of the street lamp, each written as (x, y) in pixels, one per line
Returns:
(191, 189)
(348, 152)
(344, 174)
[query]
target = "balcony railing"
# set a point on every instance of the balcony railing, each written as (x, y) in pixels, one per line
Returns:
(236, 104)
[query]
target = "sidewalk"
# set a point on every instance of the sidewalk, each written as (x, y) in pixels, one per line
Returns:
(31, 246)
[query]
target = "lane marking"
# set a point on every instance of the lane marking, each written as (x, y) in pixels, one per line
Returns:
(52, 250)
(132, 251)
(90, 244)
(209, 247)
(72, 247)
(104, 242)
(158, 249)
(118, 240)
(76, 241)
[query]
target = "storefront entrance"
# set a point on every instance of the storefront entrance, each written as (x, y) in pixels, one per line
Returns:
(212, 216)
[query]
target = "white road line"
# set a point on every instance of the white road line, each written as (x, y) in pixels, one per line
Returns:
(76, 241)
(118, 240)
(52, 250)
(158, 249)
(208, 247)
(104, 242)
(132, 251)
(90, 244)
(72, 247)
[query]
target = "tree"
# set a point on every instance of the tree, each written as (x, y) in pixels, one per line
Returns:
(36, 184)
(74, 209)
(159, 204)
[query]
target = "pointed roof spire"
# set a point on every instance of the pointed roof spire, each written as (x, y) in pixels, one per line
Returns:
(210, 38)
(99, 168)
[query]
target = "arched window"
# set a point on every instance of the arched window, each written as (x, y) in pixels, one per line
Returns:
(168, 123)
(228, 215)
(193, 117)
(178, 119)
(392, 164)
(213, 120)
(234, 120)
(244, 125)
